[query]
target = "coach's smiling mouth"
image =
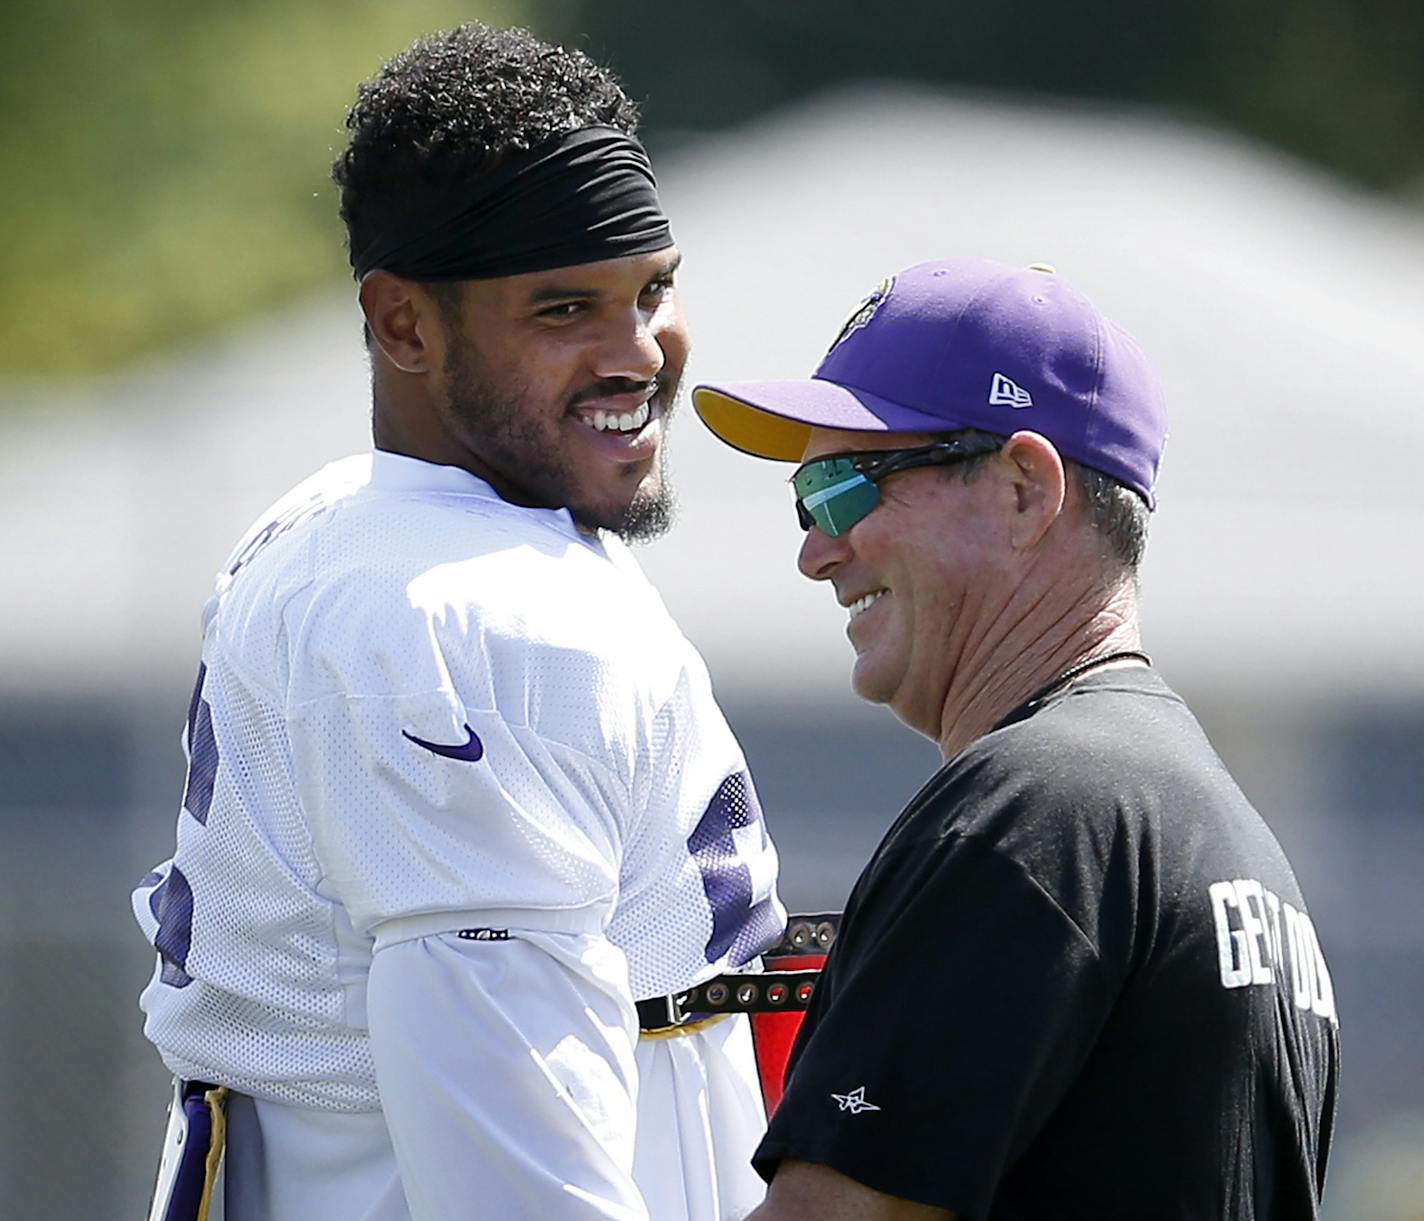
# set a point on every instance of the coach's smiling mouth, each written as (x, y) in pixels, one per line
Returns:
(864, 603)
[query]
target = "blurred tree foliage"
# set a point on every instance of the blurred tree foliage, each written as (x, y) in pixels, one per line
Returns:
(1340, 82)
(165, 164)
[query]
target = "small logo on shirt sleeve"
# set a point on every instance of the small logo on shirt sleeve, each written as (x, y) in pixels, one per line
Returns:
(469, 751)
(854, 1102)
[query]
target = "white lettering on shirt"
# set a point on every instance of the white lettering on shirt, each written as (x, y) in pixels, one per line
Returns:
(1261, 940)
(1249, 891)
(1229, 942)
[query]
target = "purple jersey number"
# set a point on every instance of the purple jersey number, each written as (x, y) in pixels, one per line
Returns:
(172, 900)
(172, 905)
(730, 832)
(202, 754)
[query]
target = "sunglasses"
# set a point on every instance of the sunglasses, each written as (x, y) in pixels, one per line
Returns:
(838, 490)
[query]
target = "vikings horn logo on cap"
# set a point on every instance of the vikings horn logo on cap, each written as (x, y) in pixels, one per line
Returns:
(863, 312)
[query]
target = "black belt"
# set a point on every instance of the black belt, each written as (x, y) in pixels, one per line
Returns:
(769, 991)
(813, 934)
(735, 992)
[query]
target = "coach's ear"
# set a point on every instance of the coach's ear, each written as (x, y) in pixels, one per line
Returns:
(402, 318)
(1039, 485)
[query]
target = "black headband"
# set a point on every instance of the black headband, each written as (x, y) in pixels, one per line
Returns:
(580, 198)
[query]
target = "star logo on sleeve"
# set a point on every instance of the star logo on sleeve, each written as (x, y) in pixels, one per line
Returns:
(854, 1102)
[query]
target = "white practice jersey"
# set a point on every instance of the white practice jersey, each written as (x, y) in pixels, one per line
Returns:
(430, 721)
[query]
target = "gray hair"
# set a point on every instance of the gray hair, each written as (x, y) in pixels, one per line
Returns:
(1115, 511)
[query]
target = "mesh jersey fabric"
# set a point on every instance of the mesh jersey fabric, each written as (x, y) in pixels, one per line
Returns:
(1077, 980)
(381, 619)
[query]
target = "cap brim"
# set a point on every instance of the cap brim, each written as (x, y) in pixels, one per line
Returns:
(774, 419)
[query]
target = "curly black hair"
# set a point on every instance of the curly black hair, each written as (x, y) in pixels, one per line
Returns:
(452, 106)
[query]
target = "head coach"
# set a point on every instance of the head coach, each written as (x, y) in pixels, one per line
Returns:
(1078, 978)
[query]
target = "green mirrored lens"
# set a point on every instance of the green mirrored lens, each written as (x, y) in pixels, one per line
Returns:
(834, 494)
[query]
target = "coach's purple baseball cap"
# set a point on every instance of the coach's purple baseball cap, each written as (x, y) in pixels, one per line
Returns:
(966, 343)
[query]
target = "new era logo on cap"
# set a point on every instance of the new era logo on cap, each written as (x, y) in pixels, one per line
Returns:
(1005, 392)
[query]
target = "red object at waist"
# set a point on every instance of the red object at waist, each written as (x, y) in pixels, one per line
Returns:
(774, 1034)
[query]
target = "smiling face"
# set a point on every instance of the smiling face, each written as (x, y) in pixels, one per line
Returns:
(920, 576)
(556, 387)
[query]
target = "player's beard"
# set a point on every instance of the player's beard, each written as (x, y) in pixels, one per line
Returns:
(509, 440)
(651, 512)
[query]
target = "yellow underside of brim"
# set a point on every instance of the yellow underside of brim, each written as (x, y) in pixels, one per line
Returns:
(750, 429)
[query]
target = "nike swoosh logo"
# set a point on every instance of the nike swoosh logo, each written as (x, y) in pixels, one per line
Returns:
(470, 751)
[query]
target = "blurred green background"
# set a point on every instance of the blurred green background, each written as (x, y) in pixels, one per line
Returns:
(164, 163)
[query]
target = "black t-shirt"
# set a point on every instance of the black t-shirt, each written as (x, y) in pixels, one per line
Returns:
(1077, 980)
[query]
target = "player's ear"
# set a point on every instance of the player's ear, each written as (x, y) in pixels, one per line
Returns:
(1039, 482)
(404, 321)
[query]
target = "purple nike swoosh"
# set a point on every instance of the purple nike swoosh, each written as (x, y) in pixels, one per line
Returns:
(471, 751)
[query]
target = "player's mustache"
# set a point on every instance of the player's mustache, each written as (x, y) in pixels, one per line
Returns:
(615, 385)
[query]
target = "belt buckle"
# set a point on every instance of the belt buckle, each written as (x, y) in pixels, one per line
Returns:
(667, 1012)
(677, 1013)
